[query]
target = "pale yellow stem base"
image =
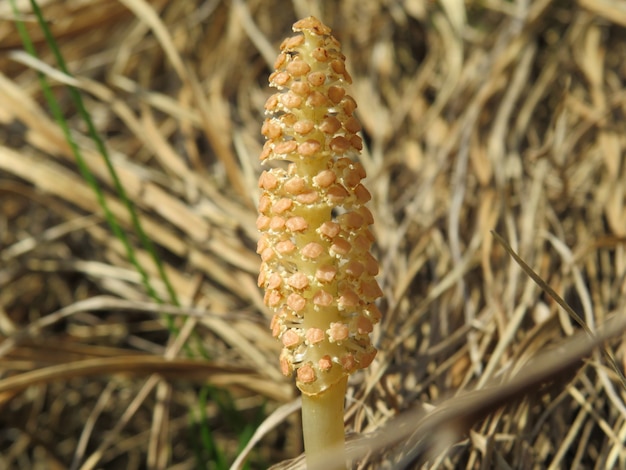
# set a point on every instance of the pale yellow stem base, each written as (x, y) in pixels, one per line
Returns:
(322, 425)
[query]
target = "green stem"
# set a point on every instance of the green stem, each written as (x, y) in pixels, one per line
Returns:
(322, 424)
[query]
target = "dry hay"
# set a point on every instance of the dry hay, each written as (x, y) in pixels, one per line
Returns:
(478, 116)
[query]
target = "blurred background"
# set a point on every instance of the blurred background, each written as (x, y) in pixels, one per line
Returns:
(132, 331)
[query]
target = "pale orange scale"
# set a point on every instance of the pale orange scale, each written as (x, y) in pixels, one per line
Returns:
(298, 281)
(267, 254)
(266, 152)
(354, 269)
(325, 178)
(290, 339)
(262, 222)
(308, 148)
(303, 127)
(351, 220)
(338, 66)
(366, 231)
(326, 273)
(285, 363)
(367, 216)
(285, 316)
(340, 246)
(296, 302)
(298, 67)
(312, 24)
(351, 178)
(348, 299)
(292, 42)
(264, 204)
(314, 335)
(262, 244)
(296, 224)
(343, 163)
(325, 363)
(272, 298)
(356, 142)
(274, 281)
(348, 104)
(294, 185)
(280, 78)
(274, 130)
(320, 54)
(288, 119)
(275, 326)
(362, 194)
(280, 60)
(284, 247)
(336, 93)
(306, 374)
(362, 243)
(329, 229)
(338, 331)
(366, 358)
(308, 198)
(285, 147)
(261, 279)
(277, 223)
(316, 100)
(276, 330)
(312, 250)
(336, 194)
(265, 126)
(301, 88)
(373, 313)
(352, 124)
(291, 100)
(348, 362)
(371, 265)
(322, 299)
(275, 298)
(282, 205)
(272, 102)
(316, 78)
(330, 125)
(268, 180)
(358, 166)
(364, 326)
(339, 144)
(371, 289)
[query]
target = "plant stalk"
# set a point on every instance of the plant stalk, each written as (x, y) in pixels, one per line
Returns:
(323, 428)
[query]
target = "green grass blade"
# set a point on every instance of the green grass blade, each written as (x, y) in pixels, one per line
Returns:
(119, 188)
(204, 436)
(82, 166)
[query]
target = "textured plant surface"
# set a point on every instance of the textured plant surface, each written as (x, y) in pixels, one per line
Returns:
(317, 270)
(478, 115)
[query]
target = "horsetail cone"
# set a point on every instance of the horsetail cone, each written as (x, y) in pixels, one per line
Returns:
(317, 270)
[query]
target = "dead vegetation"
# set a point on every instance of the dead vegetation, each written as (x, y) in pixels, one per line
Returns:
(478, 116)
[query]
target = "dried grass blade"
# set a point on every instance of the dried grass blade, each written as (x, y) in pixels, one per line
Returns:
(552, 293)
(134, 365)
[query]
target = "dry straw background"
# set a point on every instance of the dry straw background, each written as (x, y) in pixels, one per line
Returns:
(478, 116)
